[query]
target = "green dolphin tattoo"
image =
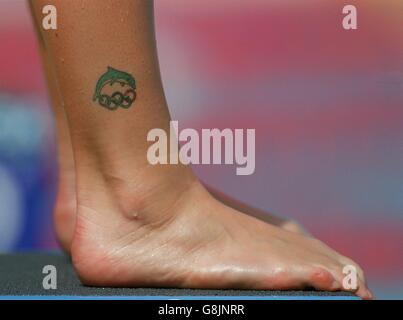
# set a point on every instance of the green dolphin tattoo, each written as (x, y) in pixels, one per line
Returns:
(118, 99)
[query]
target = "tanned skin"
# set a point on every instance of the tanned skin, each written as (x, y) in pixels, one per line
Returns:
(142, 225)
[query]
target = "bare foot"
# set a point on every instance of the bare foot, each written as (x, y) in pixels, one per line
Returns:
(180, 236)
(284, 223)
(65, 209)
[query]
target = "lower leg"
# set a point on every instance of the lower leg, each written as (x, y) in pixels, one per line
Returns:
(65, 203)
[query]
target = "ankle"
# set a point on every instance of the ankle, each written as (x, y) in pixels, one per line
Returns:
(146, 193)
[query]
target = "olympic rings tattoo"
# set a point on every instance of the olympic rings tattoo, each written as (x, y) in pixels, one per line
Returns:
(117, 99)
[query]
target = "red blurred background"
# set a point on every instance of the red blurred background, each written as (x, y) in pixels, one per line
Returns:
(326, 103)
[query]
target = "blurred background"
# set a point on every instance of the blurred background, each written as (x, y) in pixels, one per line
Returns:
(327, 106)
